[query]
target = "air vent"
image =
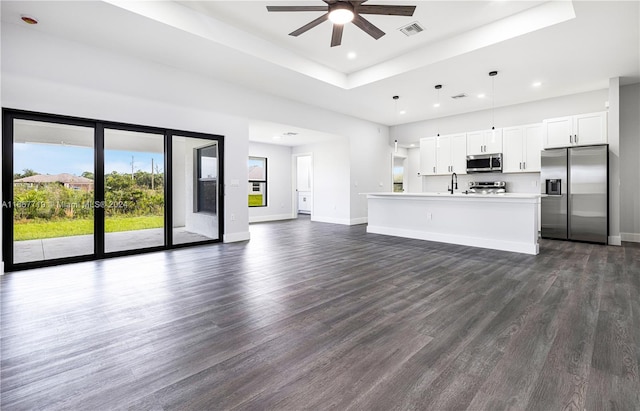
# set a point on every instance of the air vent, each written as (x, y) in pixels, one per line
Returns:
(411, 29)
(458, 96)
(290, 133)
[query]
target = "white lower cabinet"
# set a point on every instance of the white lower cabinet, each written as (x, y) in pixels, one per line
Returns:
(443, 155)
(521, 148)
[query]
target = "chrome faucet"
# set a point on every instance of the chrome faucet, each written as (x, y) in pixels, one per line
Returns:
(452, 186)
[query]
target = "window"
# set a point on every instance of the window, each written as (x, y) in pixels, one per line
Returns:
(257, 182)
(207, 192)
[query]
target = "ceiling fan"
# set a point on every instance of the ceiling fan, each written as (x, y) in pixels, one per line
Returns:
(341, 12)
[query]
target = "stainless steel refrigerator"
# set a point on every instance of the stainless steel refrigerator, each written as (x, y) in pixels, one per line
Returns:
(576, 205)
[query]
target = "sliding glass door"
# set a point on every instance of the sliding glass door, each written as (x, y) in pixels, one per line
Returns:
(76, 189)
(133, 190)
(196, 192)
(53, 191)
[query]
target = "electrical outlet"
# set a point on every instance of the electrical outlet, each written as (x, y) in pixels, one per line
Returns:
(233, 217)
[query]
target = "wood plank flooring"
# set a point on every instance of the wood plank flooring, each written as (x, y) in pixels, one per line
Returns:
(320, 316)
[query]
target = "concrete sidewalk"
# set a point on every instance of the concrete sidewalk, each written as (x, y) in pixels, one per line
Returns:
(50, 248)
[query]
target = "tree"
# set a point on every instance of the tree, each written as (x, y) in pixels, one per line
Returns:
(27, 172)
(87, 174)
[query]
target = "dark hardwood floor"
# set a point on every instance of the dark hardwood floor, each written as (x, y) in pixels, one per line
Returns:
(320, 316)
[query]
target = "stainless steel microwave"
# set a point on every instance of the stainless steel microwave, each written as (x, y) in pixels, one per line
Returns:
(484, 163)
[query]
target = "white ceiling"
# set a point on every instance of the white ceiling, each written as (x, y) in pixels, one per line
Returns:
(570, 47)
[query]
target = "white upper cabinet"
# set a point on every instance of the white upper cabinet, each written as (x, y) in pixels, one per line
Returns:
(459, 153)
(578, 130)
(484, 142)
(522, 146)
(443, 155)
(428, 156)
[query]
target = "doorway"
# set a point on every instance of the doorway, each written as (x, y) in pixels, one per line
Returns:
(77, 189)
(399, 182)
(303, 195)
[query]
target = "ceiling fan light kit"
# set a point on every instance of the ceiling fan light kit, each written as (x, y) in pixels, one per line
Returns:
(341, 12)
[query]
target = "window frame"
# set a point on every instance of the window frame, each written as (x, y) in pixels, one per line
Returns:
(198, 188)
(263, 182)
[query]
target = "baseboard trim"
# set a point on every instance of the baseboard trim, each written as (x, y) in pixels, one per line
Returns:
(331, 220)
(614, 240)
(631, 237)
(277, 217)
(235, 237)
(361, 220)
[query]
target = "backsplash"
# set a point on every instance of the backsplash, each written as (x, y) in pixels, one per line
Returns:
(516, 183)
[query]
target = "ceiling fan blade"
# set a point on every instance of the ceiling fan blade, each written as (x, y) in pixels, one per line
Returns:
(367, 27)
(297, 8)
(336, 36)
(309, 25)
(387, 10)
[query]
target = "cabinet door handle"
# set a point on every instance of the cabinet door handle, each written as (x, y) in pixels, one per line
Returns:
(570, 139)
(575, 138)
(524, 165)
(434, 170)
(520, 166)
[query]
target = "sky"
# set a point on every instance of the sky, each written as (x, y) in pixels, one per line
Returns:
(55, 159)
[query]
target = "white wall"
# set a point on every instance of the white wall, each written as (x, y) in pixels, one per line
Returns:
(370, 168)
(331, 170)
(413, 169)
(279, 183)
(630, 162)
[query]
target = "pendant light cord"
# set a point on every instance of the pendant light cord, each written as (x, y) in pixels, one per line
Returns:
(493, 98)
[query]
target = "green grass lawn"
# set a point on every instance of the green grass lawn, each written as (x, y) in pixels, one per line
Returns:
(39, 229)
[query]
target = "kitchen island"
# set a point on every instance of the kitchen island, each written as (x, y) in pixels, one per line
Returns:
(507, 222)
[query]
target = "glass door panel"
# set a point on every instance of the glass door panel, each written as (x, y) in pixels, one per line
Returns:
(134, 190)
(195, 172)
(53, 191)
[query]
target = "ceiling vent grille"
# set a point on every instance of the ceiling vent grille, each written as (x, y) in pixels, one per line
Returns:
(411, 29)
(290, 133)
(459, 96)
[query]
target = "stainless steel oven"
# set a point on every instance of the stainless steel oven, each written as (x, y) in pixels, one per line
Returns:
(484, 163)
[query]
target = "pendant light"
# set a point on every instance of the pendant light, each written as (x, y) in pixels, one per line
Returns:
(395, 144)
(437, 105)
(493, 75)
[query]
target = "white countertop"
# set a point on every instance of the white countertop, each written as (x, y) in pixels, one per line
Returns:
(456, 195)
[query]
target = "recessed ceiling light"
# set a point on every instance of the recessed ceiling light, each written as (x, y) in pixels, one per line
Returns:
(277, 137)
(29, 19)
(351, 55)
(412, 145)
(403, 111)
(436, 105)
(481, 95)
(537, 84)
